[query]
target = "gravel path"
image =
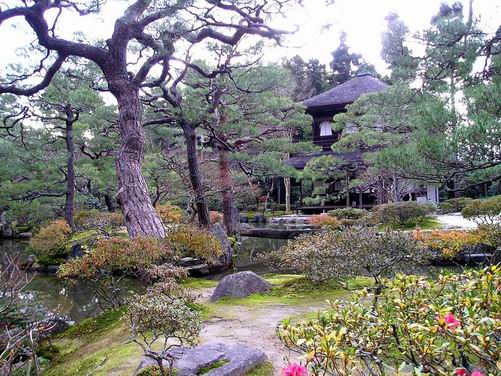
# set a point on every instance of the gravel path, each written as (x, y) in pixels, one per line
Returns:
(455, 221)
(254, 326)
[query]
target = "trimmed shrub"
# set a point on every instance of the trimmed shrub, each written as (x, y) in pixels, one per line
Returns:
(188, 240)
(324, 221)
(170, 213)
(352, 252)
(215, 217)
(485, 211)
(400, 212)
(94, 219)
(350, 216)
(348, 213)
(415, 325)
(50, 240)
(454, 205)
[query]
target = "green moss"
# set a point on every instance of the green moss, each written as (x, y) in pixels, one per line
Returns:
(299, 291)
(47, 260)
(48, 351)
(97, 325)
(264, 369)
(198, 283)
(150, 371)
(212, 366)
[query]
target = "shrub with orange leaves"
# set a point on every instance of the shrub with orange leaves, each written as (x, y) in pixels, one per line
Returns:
(215, 217)
(324, 220)
(170, 213)
(109, 261)
(449, 243)
(116, 254)
(50, 240)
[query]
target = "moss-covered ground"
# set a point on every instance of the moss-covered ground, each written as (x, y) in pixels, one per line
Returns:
(101, 346)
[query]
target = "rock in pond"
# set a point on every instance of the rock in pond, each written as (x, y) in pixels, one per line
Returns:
(240, 285)
(235, 360)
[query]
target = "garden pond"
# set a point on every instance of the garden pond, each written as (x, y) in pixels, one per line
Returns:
(76, 302)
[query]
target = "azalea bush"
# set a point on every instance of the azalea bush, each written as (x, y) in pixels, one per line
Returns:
(449, 325)
(95, 219)
(354, 251)
(400, 213)
(449, 243)
(324, 221)
(170, 213)
(105, 265)
(484, 211)
(50, 240)
(189, 240)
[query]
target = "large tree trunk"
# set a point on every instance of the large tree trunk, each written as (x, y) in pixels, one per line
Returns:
(227, 191)
(141, 218)
(69, 205)
(287, 184)
(195, 176)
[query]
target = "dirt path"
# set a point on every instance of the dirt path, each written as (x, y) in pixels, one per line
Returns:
(254, 326)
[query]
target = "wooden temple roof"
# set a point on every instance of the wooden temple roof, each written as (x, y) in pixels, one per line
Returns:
(347, 92)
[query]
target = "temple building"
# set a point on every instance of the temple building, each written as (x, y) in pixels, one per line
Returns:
(326, 195)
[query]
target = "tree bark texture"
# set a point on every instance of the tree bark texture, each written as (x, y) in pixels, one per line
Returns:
(195, 176)
(227, 191)
(69, 205)
(287, 184)
(141, 219)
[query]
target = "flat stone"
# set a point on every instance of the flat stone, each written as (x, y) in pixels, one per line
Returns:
(53, 269)
(242, 359)
(39, 268)
(188, 261)
(198, 270)
(24, 235)
(240, 285)
(189, 361)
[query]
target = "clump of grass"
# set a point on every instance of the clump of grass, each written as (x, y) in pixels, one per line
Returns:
(264, 369)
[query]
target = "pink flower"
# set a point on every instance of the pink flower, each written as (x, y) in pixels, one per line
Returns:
(477, 373)
(294, 370)
(449, 320)
(461, 372)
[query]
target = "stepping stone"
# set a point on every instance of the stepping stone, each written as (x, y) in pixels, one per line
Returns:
(239, 359)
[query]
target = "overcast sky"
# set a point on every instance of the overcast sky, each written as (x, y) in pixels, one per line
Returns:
(363, 21)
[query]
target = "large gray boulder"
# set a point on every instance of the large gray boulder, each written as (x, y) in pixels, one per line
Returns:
(240, 285)
(238, 359)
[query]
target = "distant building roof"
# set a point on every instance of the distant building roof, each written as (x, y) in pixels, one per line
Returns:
(299, 161)
(347, 92)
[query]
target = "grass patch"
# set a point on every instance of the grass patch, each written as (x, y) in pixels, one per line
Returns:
(297, 290)
(212, 366)
(264, 369)
(426, 223)
(198, 283)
